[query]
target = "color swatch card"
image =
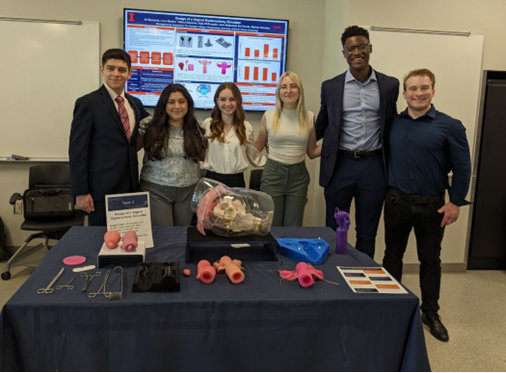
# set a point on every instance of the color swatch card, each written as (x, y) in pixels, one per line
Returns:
(371, 280)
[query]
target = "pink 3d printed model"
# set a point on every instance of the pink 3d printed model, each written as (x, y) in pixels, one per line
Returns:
(224, 66)
(305, 273)
(231, 267)
(204, 64)
(205, 272)
(231, 212)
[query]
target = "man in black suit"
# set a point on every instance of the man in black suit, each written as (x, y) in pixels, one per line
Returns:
(356, 110)
(102, 149)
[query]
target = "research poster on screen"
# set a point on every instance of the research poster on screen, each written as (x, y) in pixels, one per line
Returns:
(203, 51)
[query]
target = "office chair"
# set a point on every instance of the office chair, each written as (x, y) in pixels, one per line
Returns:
(43, 176)
(255, 179)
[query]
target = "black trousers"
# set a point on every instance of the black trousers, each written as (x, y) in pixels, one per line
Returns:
(230, 180)
(403, 213)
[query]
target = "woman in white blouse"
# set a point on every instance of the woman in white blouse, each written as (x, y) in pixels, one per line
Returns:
(230, 141)
(289, 132)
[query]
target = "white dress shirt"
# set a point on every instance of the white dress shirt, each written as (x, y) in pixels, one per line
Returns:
(230, 157)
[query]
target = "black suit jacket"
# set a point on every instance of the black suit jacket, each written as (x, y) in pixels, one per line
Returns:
(328, 122)
(102, 160)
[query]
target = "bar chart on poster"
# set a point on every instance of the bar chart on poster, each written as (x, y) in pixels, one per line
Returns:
(259, 48)
(257, 72)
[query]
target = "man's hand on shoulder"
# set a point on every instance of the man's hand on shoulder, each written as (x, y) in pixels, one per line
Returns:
(85, 203)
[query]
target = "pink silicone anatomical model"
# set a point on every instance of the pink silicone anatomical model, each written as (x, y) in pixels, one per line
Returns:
(304, 272)
(206, 207)
(111, 239)
(205, 272)
(231, 267)
(224, 66)
(130, 241)
(205, 63)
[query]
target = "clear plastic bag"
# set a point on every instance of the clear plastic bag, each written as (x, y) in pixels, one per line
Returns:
(231, 212)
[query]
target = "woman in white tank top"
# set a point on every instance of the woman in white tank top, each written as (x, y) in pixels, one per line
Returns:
(288, 131)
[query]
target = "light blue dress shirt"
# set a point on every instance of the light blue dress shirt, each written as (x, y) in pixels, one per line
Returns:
(360, 129)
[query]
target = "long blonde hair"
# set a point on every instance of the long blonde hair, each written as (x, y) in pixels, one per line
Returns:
(301, 107)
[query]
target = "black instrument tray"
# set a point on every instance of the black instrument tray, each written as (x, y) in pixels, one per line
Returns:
(212, 247)
(156, 277)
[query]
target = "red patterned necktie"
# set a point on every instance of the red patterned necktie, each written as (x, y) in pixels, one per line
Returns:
(124, 116)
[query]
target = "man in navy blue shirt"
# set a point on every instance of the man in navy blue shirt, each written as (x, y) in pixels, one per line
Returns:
(425, 145)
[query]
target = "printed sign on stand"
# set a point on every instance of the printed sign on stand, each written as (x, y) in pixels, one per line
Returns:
(130, 212)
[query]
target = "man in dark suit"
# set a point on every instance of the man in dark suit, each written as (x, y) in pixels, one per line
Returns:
(102, 149)
(356, 110)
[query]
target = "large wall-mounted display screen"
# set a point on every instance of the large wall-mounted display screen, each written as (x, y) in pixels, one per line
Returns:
(203, 51)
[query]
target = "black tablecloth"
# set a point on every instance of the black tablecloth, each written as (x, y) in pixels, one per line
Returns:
(258, 325)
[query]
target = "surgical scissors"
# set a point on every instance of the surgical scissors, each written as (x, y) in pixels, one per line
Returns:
(49, 289)
(87, 282)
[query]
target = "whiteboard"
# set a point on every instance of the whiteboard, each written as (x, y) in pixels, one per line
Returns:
(455, 60)
(457, 63)
(45, 68)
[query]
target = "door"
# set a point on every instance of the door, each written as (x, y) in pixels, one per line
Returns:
(487, 249)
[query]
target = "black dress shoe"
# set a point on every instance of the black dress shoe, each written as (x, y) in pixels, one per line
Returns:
(437, 329)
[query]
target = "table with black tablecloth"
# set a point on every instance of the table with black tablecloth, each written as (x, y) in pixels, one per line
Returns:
(258, 325)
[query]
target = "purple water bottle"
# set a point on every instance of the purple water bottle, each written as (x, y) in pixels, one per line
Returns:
(343, 222)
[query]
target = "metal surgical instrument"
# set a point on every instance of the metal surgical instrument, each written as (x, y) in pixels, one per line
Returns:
(49, 289)
(101, 290)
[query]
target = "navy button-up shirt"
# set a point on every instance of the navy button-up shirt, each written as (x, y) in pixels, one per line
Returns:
(424, 150)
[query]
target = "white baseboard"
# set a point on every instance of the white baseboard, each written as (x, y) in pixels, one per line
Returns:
(410, 269)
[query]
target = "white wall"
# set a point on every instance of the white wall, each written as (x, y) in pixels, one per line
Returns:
(305, 46)
(333, 63)
(483, 16)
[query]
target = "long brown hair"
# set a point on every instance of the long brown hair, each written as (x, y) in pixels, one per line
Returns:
(156, 139)
(217, 124)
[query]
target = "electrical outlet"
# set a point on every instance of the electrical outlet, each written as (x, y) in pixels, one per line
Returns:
(18, 207)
